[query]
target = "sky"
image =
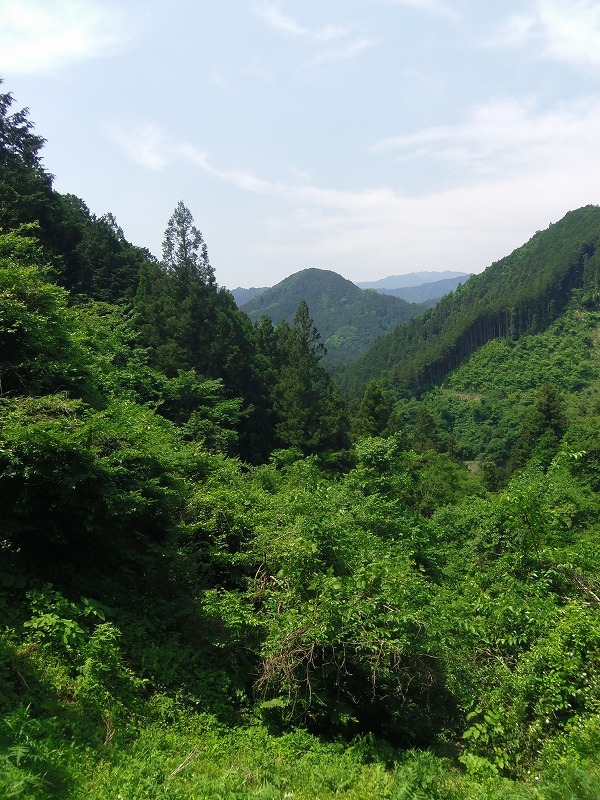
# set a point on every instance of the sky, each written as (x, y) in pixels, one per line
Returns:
(369, 137)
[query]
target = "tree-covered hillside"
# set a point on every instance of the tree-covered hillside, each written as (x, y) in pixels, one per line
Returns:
(521, 293)
(242, 296)
(411, 279)
(415, 287)
(212, 585)
(426, 292)
(349, 319)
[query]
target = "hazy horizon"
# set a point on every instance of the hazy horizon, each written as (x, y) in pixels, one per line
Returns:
(372, 138)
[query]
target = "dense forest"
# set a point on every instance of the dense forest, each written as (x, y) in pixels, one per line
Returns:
(426, 292)
(222, 578)
(522, 293)
(348, 319)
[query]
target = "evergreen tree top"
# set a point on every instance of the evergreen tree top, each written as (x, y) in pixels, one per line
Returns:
(184, 250)
(17, 140)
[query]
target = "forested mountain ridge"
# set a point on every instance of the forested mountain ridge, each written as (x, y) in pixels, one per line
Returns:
(521, 293)
(349, 319)
(426, 292)
(415, 287)
(332, 611)
(411, 279)
(242, 295)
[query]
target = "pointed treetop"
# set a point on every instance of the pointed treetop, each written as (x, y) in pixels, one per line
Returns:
(17, 140)
(184, 251)
(304, 332)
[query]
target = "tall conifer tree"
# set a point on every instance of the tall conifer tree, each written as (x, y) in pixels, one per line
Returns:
(310, 413)
(185, 254)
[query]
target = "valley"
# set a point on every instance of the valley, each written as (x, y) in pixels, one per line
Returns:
(234, 565)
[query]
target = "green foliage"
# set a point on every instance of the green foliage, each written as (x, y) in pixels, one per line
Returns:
(185, 254)
(183, 317)
(105, 686)
(375, 414)
(559, 356)
(25, 187)
(348, 318)
(542, 431)
(308, 410)
(522, 293)
(202, 411)
(188, 324)
(80, 479)
(529, 612)
(38, 346)
(481, 409)
(100, 264)
(345, 605)
(22, 761)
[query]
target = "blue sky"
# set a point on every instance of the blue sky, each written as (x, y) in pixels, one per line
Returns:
(371, 137)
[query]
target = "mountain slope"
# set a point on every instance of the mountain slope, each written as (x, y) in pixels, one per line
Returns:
(410, 279)
(348, 318)
(415, 287)
(521, 293)
(242, 296)
(426, 292)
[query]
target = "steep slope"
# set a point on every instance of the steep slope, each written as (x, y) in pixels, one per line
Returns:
(484, 404)
(521, 293)
(348, 318)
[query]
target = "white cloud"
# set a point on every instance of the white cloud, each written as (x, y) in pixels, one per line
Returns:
(342, 52)
(504, 136)
(282, 23)
(565, 30)
(382, 232)
(37, 36)
(241, 179)
(333, 42)
(437, 7)
(519, 28)
(514, 168)
(146, 145)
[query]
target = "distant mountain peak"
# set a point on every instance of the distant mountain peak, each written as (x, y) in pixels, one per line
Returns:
(388, 285)
(348, 318)
(410, 279)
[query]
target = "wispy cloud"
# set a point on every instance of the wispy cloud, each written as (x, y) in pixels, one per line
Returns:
(520, 157)
(503, 136)
(514, 169)
(299, 192)
(495, 142)
(341, 52)
(331, 42)
(146, 145)
(282, 23)
(566, 30)
(436, 7)
(246, 181)
(37, 36)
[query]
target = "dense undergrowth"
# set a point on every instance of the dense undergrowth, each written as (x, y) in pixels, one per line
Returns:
(468, 645)
(290, 633)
